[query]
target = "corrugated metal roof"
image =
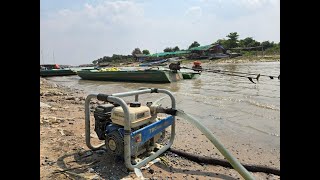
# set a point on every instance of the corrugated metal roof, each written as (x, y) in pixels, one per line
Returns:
(141, 55)
(201, 48)
(169, 53)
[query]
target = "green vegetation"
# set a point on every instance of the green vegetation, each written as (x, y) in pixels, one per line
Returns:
(169, 49)
(146, 52)
(248, 47)
(136, 51)
(234, 42)
(115, 59)
(194, 44)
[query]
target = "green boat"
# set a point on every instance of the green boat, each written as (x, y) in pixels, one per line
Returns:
(56, 72)
(186, 73)
(47, 70)
(127, 75)
(190, 75)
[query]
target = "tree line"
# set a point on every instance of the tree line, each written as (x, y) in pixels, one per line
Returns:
(231, 42)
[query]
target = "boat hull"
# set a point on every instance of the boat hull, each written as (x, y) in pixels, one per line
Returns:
(57, 72)
(190, 75)
(155, 76)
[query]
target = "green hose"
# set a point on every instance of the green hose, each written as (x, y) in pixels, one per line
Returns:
(233, 161)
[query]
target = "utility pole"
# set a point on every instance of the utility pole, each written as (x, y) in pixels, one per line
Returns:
(42, 57)
(54, 62)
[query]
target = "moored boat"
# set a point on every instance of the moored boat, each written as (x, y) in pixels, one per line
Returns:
(190, 75)
(127, 75)
(55, 70)
(155, 63)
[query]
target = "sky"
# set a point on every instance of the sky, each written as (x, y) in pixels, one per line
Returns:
(74, 32)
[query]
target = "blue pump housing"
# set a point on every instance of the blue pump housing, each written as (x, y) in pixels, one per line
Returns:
(140, 136)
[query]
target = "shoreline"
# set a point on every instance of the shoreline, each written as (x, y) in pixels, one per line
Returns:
(239, 59)
(62, 132)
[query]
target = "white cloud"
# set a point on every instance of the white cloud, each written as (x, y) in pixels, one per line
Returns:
(126, 12)
(252, 4)
(210, 1)
(245, 4)
(95, 31)
(262, 25)
(118, 12)
(195, 11)
(194, 14)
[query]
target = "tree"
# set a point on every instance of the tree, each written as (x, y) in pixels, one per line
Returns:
(233, 36)
(194, 44)
(245, 42)
(176, 48)
(232, 42)
(116, 57)
(248, 42)
(222, 42)
(136, 51)
(267, 44)
(218, 41)
(168, 49)
(145, 52)
(95, 62)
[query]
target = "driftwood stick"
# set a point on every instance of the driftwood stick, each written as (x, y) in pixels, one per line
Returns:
(64, 170)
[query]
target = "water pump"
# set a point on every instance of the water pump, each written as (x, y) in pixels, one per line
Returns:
(131, 131)
(109, 126)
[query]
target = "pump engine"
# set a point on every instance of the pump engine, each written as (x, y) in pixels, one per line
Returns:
(109, 126)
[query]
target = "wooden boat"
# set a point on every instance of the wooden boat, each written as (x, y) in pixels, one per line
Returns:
(131, 75)
(218, 56)
(192, 73)
(55, 70)
(186, 73)
(155, 63)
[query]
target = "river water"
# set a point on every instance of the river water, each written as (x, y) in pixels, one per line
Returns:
(232, 107)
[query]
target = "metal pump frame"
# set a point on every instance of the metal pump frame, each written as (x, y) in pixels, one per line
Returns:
(115, 98)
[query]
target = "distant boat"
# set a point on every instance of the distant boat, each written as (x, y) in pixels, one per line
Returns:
(155, 63)
(47, 70)
(218, 56)
(190, 75)
(186, 73)
(232, 55)
(131, 75)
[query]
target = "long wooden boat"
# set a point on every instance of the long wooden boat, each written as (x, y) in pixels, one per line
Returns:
(145, 75)
(56, 72)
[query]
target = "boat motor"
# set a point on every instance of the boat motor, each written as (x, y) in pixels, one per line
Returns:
(197, 66)
(175, 66)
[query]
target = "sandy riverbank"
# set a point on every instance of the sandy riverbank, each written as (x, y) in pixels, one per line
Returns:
(63, 146)
(239, 59)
